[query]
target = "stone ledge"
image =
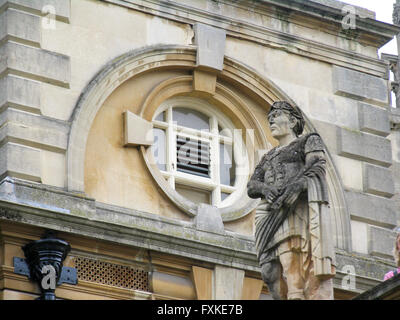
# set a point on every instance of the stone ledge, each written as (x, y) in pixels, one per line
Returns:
(62, 8)
(53, 208)
(34, 63)
(369, 270)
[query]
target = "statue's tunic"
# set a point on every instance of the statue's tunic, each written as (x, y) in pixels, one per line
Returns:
(302, 221)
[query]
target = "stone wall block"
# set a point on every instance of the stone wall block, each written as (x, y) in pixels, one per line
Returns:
(20, 93)
(34, 130)
(360, 86)
(364, 146)
(35, 64)
(372, 209)
(210, 43)
(373, 120)
(20, 26)
(378, 180)
(20, 161)
(380, 242)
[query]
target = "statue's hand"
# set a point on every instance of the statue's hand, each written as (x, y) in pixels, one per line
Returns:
(293, 191)
(255, 189)
(290, 194)
(271, 194)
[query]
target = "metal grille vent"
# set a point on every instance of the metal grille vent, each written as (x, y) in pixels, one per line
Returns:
(193, 156)
(112, 274)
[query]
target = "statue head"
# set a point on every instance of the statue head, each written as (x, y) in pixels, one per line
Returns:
(283, 117)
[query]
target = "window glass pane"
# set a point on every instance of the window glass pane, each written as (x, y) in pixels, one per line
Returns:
(160, 117)
(226, 164)
(190, 119)
(194, 194)
(159, 148)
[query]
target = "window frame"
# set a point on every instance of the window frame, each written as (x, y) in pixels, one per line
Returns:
(217, 120)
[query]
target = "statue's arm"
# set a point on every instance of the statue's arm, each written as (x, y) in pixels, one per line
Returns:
(256, 184)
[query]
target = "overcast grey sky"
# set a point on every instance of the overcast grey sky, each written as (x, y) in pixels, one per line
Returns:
(383, 10)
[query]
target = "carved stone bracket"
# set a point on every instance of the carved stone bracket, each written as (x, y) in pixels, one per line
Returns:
(44, 261)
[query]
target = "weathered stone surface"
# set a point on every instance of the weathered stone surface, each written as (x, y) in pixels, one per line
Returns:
(228, 283)
(210, 43)
(359, 86)
(368, 268)
(378, 180)
(20, 93)
(209, 219)
(359, 236)
(364, 146)
(61, 8)
(362, 12)
(380, 242)
(19, 25)
(137, 130)
(34, 130)
(372, 209)
(46, 207)
(373, 120)
(35, 63)
(20, 161)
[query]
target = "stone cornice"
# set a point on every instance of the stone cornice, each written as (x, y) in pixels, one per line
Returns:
(76, 214)
(332, 11)
(369, 32)
(53, 208)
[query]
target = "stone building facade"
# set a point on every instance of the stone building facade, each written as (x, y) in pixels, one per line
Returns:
(97, 95)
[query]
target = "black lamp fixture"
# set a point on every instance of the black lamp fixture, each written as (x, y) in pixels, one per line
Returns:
(45, 258)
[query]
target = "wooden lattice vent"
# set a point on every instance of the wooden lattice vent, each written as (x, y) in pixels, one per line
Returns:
(112, 274)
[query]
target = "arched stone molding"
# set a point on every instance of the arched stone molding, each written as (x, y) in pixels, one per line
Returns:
(103, 84)
(148, 59)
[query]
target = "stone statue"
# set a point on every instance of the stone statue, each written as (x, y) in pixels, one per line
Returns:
(293, 236)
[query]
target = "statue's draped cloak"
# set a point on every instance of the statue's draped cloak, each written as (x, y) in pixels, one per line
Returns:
(270, 221)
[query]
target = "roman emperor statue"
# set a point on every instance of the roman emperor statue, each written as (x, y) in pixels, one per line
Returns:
(293, 230)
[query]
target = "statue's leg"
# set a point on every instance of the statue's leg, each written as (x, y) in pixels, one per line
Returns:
(292, 271)
(271, 273)
(316, 288)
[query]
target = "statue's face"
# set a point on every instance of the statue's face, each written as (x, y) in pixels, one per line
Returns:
(280, 123)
